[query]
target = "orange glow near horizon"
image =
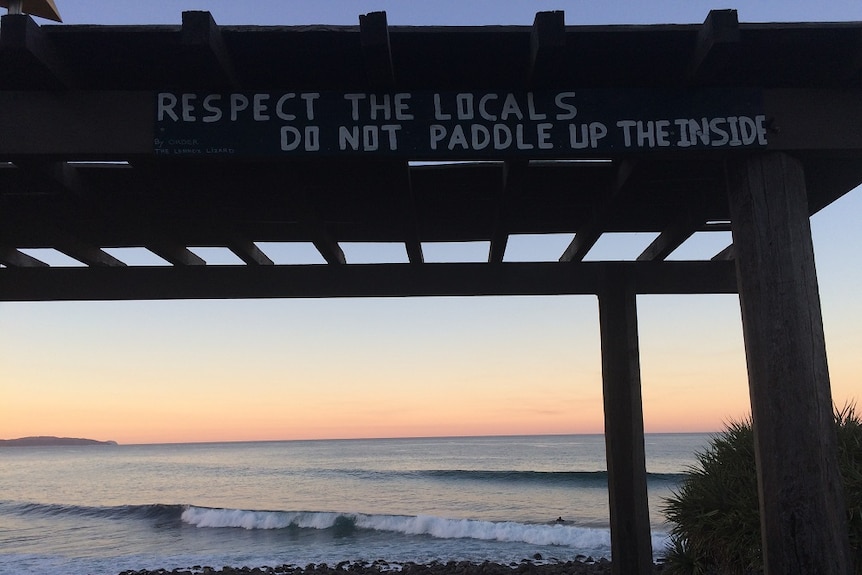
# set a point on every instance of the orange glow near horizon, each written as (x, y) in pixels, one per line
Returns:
(242, 371)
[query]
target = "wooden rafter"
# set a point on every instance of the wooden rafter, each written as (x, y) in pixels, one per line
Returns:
(34, 52)
(547, 40)
(402, 188)
(173, 253)
(853, 71)
(376, 50)
(14, 258)
(315, 228)
(247, 251)
(717, 47)
(514, 175)
(588, 234)
(359, 280)
(79, 249)
(670, 238)
(58, 174)
(202, 37)
(725, 254)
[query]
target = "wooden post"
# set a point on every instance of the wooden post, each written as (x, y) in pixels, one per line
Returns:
(801, 498)
(631, 545)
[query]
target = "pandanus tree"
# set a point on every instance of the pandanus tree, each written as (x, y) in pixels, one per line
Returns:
(714, 513)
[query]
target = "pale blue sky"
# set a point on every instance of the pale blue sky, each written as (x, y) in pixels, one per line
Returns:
(510, 358)
(449, 12)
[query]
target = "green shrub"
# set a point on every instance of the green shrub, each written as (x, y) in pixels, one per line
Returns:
(714, 514)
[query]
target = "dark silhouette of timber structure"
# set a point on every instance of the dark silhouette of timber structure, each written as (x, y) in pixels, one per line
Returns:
(201, 135)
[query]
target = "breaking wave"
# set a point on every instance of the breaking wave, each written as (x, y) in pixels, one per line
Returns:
(338, 524)
(439, 527)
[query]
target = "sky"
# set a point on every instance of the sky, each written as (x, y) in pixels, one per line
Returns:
(237, 370)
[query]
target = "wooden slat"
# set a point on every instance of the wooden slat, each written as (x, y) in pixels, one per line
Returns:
(853, 71)
(328, 247)
(587, 235)
(377, 51)
(32, 51)
(173, 253)
(725, 254)
(80, 250)
(315, 229)
(584, 240)
(670, 239)
(247, 251)
(403, 189)
(547, 40)
(60, 174)
(202, 36)
(514, 174)
(15, 258)
(717, 47)
(372, 280)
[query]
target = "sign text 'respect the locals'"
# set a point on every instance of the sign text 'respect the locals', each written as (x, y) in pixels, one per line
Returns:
(429, 125)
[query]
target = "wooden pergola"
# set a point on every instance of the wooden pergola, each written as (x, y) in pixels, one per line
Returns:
(200, 135)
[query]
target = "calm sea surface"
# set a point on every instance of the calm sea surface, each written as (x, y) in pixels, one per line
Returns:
(104, 509)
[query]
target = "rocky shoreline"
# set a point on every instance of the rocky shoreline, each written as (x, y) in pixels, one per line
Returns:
(580, 566)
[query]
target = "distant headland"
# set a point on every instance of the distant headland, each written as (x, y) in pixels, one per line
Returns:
(51, 441)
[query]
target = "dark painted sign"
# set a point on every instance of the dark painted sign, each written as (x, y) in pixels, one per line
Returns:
(456, 125)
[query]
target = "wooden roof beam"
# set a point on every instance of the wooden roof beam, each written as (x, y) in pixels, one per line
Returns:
(376, 280)
(315, 229)
(247, 251)
(12, 257)
(60, 174)
(717, 47)
(202, 36)
(377, 51)
(583, 242)
(173, 253)
(588, 234)
(157, 178)
(300, 191)
(80, 250)
(514, 173)
(32, 52)
(547, 40)
(325, 243)
(670, 239)
(403, 188)
(68, 178)
(853, 71)
(727, 253)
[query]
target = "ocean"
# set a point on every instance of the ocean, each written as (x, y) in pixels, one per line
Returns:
(100, 510)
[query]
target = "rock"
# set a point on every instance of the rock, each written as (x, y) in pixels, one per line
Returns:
(551, 566)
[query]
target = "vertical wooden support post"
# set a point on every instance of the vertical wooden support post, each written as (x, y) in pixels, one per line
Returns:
(631, 545)
(801, 498)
